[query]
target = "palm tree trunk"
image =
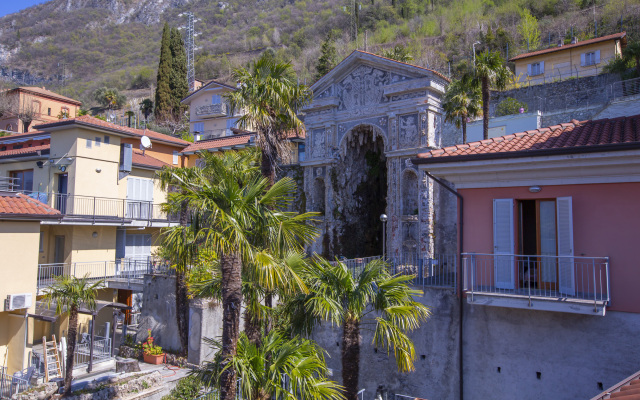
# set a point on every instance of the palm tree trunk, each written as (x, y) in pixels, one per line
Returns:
(182, 309)
(485, 108)
(72, 335)
(350, 358)
(231, 302)
(267, 168)
(464, 130)
(252, 327)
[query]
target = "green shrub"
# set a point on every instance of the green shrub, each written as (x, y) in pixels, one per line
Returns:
(510, 106)
(187, 389)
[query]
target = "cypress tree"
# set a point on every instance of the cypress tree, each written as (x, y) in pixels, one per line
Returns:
(328, 58)
(163, 90)
(178, 83)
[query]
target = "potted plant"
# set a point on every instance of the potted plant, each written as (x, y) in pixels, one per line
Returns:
(152, 354)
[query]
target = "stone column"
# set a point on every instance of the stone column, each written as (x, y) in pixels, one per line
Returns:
(393, 132)
(426, 212)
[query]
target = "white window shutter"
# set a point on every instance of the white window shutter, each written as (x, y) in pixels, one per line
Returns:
(528, 69)
(566, 273)
(597, 56)
(503, 244)
(175, 158)
(542, 67)
(583, 59)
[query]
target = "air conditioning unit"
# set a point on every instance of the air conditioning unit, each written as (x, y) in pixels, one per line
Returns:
(18, 301)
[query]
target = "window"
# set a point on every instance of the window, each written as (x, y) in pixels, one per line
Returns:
(9, 127)
(23, 180)
(198, 127)
(301, 154)
(41, 242)
(3, 148)
(535, 68)
(98, 141)
(88, 143)
(231, 123)
(106, 139)
(216, 99)
(591, 58)
(17, 146)
(49, 111)
(175, 158)
(36, 106)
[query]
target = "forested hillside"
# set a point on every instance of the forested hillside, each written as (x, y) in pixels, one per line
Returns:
(115, 43)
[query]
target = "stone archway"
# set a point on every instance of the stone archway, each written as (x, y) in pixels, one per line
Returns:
(359, 184)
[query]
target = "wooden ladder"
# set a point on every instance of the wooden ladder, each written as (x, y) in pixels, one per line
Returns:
(52, 367)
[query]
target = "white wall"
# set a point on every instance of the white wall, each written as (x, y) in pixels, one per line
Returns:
(507, 125)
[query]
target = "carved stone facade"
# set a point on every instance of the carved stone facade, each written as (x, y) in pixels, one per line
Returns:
(369, 117)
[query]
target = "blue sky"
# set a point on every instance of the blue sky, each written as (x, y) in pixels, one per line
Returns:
(11, 6)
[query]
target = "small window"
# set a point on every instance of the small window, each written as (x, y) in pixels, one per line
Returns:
(175, 158)
(3, 148)
(41, 242)
(98, 141)
(198, 127)
(106, 139)
(17, 146)
(301, 152)
(590, 58)
(536, 69)
(88, 143)
(49, 111)
(216, 99)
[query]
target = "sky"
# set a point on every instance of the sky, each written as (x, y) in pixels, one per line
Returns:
(11, 6)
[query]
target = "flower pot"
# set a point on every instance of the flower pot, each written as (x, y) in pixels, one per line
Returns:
(152, 359)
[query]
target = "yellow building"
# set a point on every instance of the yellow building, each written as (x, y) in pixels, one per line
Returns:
(20, 218)
(103, 184)
(40, 104)
(578, 59)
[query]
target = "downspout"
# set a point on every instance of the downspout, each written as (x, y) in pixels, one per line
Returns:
(460, 278)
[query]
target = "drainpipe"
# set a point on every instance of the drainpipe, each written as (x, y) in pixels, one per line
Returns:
(460, 277)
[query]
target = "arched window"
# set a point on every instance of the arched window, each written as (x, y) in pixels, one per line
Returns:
(319, 196)
(409, 193)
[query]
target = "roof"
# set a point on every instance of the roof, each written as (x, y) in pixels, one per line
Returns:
(22, 135)
(142, 159)
(87, 120)
(15, 205)
(47, 312)
(574, 137)
(627, 389)
(47, 93)
(225, 141)
(614, 36)
(33, 150)
(205, 86)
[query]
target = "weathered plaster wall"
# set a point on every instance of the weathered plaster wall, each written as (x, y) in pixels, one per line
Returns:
(159, 311)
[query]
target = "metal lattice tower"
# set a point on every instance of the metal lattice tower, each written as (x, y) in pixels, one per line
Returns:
(190, 48)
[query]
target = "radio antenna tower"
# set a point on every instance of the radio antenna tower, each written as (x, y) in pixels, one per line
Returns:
(190, 47)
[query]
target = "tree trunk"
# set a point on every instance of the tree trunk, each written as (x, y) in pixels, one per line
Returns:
(182, 309)
(231, 302)
(72, 335)
(268, 168)
(464, 130)
(350, 358)
(485, 108)
(252, 327)
(268, 302)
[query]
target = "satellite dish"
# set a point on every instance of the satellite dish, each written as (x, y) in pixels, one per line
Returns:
(145, 141)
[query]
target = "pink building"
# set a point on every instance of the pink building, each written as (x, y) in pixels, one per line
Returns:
(550, 217)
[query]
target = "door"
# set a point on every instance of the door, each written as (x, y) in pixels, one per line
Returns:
(547, 244)
(139, 198)
(503, 244)
(58, 257)
(61, 196)
(125, 297)
(566, 272)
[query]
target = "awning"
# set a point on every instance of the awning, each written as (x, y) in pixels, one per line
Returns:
(47, 313)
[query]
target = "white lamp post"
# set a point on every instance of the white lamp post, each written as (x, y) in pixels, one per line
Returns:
(383, 218)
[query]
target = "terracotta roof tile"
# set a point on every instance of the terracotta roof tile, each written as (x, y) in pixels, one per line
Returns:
(585, 134)
(18, 204)
(98, 123)
(138, 158)
(25, 150)
(225, 141)
(26, 135)
(48, 93)
(569, 46)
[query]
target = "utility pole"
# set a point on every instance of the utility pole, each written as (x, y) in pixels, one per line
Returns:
(190, 47)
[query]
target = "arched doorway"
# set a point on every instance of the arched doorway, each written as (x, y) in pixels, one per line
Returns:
(359, 182)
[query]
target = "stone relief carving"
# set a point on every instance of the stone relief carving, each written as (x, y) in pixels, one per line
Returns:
(318, 172)
(325, 93)
(408, 132)
(410, 95)
(317, 143)
(319, 112)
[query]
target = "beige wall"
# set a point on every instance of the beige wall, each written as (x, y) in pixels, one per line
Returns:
(41, 106)
(203, 98)
(13, 349)
(40, 175)
(564, 62)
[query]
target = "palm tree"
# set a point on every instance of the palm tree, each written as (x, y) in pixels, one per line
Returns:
(462, 102)
(70, 293)
(280, 368)
(492, 73)
(398, 53)
(270, 98)
(372, 296)
(231, 207)
(146, 106)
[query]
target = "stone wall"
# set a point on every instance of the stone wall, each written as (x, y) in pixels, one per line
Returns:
(159, 311)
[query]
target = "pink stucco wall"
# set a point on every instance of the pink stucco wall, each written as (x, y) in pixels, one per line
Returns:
(606, 223)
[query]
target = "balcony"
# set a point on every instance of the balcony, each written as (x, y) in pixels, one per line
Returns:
(105, 210)
(212, 110)
(125, 273)
(550, 283)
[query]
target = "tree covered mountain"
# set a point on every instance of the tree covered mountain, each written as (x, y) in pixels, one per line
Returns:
(116, 43)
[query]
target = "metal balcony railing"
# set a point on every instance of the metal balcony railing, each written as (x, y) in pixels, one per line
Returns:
(568, 278)
(97, 209)
(11, 384)
(101, 351)
(219, 109)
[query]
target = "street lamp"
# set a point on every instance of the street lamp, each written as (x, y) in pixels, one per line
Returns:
(474, 52)
(383, 218)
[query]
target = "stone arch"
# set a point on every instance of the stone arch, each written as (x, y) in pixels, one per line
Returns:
(319, 195)
(348, 137)
(410, 192)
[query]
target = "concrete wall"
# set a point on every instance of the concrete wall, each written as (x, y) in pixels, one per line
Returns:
(505, 125)
(159, 311)
(205, 321)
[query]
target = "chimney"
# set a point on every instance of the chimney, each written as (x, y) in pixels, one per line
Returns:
(574, 40)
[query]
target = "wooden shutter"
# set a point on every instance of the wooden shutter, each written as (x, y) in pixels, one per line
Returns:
(503, 244)
(566, 272)
(542, 67)
(597, 56)
(528, 69)
(583, 59)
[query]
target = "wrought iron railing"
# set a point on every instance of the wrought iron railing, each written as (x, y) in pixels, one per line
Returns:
(98, 209)
(11, 384)
(101, 352)
(538, 276)
(622, 89)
